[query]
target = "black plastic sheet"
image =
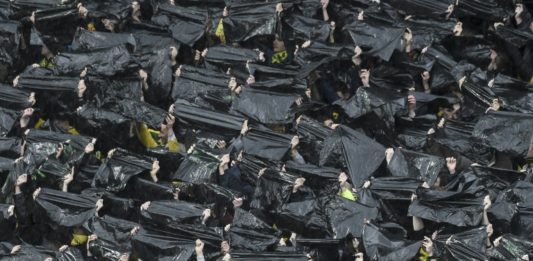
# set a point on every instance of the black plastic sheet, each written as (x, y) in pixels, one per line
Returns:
(198, 167)
(406, 163)
(378, 38)
(266, 144)
(348, 217)
(115, 172)
(265, 106)
(63, 208)
(469, 244)
(247, 20)
(505, 132)
(85, 40)
(193, 82)
(448, 207)
(106, 62)
(250, 233)
(353, 151)
(388, 242)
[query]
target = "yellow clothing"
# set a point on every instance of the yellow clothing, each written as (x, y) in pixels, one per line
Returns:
(347, 194)
(279, 57)
(150, 139)
(220, 31)
(78, 239)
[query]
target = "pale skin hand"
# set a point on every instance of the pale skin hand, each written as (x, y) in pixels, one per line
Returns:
(145, 206)
(199, 248)
(224, 161)
(518, 13)
(36, 193)
(297, 184)
(99, 204)
(451, 164)
(67, 179)
(154, 170)
(91, 238)
(364, 74)
(25, 119)
(388, 155)
(425, 81)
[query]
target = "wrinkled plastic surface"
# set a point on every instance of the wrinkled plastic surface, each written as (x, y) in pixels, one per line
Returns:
(505, 132)
(353, 151)
(63, 208)
(406, 163)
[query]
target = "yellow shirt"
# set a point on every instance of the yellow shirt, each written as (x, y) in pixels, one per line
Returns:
(149, 138)
(220, 31)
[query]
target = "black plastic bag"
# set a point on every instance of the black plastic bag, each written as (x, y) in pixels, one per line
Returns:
(350, 150)
(505, 132)
(7, 222)
(198, 167)
(394, 188)
(257, 104)
(117, 170)
(272, 190)
(266, 144)
(48, 83)
(152, 190)
(377, 38)
(63, 208)
(226, 55)
(104, 89)
(322, 179)
(247, 20)
(425, 167)
(384, 103)
(209, 120)
(481, 179)
(14, 98)
(522, 223)
(10, 39)
(138, 111)
(304, 217)
(389, 241)
(321, 53)
(193, 82)
(118, 207)
(458, 137)
(466, 245)
(312, 135)
(250, 233)
(186, 23)
(158, 65)
(305, 28)
(106, 62)
(10, 147)
(8, 119)
(85, 40)
(511, 248)
(459, 209)
(162, 245)
(346, 217)
(267, 256)
(114, 231)
(169, 213)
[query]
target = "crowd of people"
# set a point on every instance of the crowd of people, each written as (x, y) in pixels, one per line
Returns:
(266, 130)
